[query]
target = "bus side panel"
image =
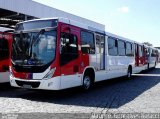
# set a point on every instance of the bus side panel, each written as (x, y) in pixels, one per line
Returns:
(4, 62)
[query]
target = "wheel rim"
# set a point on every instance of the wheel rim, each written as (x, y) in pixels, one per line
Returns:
(87, 82)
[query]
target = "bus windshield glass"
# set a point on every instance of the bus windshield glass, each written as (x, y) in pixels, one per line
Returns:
(34, 48)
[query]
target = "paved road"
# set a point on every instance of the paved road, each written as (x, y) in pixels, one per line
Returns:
(141, 94)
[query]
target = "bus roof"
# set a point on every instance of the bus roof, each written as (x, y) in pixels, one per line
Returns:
(71, 22)
(118, 37)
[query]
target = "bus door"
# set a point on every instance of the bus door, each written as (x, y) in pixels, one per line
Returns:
(100, 44)
(146, 55)
(69, 56)
(141, 55)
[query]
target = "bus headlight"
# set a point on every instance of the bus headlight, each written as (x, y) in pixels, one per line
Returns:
(49, 74)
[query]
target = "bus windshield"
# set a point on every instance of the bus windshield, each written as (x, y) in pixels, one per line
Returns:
(33, 48)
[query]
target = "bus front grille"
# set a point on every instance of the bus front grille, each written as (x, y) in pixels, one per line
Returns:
(32, 84)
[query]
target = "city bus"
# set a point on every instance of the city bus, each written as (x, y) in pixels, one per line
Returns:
(146, 57)
(5, 46)
(59, 53)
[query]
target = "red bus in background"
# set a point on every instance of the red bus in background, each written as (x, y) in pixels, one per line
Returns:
(5, 46)
(146, 57)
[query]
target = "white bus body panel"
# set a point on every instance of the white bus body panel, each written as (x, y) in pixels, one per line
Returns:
(115, 66)
(56, 83)
(152, 62)
(138, 69)
(4, 77)
(69, 81)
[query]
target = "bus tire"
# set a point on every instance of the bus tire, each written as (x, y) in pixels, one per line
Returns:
(87, 82)
(129, 73)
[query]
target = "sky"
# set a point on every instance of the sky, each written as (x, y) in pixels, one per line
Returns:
(138, 20)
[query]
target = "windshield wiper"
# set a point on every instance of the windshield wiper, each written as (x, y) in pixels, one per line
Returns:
(35, 39)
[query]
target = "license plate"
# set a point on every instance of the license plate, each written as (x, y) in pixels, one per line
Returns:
(27, 86)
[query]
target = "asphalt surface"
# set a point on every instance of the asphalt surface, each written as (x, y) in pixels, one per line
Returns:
(141, 94)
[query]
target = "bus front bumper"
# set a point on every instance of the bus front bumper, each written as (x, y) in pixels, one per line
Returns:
(45, 84)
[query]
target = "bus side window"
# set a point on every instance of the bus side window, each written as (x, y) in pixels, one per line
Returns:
(87, 42)
(112, 46)
(129, 49)
(121, 48)
(69, 48)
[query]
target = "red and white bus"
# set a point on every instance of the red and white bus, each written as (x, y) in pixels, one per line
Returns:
(146, 57)
(5, 46)
(55, 54)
